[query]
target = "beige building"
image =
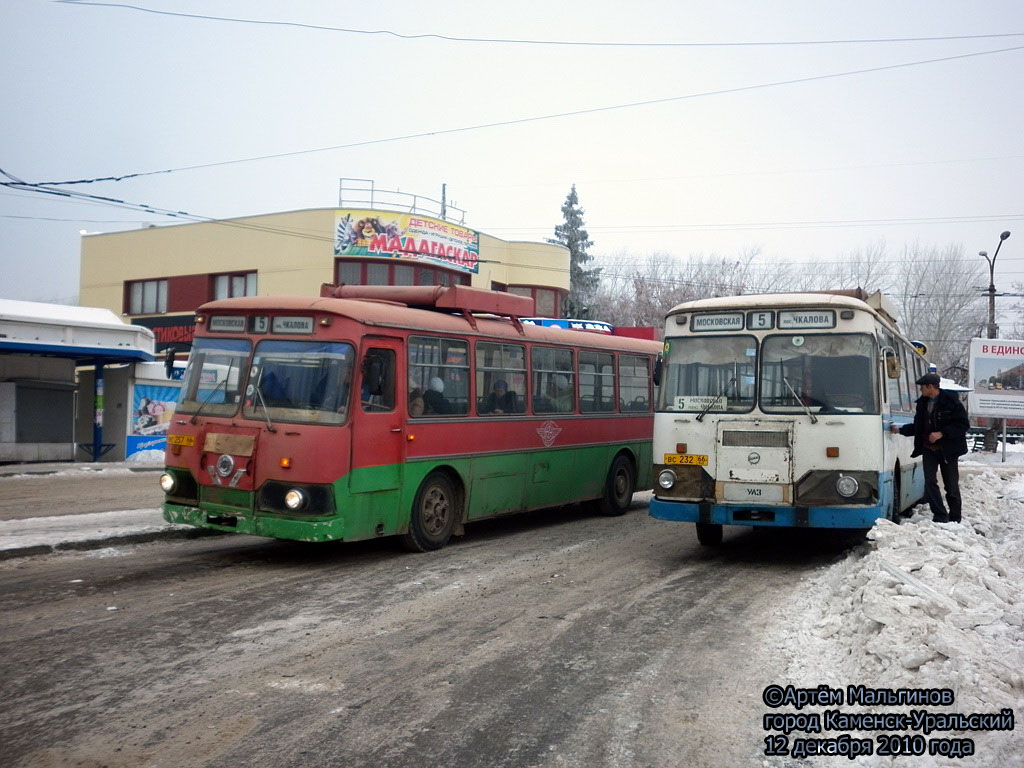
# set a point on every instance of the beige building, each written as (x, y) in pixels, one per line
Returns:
(158, 276)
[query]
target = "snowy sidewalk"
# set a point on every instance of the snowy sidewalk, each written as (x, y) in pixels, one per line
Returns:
(75, 467)
(42, 535)
(22, 535)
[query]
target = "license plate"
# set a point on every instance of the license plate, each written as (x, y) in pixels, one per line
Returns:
(187, 440)
(752, 492)
(687, 459)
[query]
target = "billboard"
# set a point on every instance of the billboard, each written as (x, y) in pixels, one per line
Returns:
(410, 236)
(996, 378)
(152, 409)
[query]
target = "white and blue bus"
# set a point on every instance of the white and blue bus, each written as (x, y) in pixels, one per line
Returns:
(774, 410)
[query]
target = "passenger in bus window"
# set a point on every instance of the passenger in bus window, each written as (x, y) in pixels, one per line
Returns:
(434, 400)
(416, 405)
(500, 400)
(560, 394)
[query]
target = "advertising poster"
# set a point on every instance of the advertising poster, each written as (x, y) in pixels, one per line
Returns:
(996, 378)
(598, 326)
(379, 233)
(152, 409)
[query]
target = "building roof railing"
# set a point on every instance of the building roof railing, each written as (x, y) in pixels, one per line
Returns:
(363, 193)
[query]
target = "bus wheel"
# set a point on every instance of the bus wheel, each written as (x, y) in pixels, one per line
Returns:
(618, 488)
(709, 534)
(435, 514)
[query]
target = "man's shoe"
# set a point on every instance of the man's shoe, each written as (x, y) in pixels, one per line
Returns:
(940, 519)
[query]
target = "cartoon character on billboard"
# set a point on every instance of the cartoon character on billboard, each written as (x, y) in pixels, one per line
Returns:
(358, 234)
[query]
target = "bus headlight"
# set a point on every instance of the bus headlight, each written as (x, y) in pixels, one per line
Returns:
(167, 482)
(295, 499)
(666, 479)
(847, 486)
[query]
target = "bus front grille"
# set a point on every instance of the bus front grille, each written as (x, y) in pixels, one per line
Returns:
(754, 438)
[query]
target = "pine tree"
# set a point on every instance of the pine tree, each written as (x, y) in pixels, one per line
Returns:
(583, 282)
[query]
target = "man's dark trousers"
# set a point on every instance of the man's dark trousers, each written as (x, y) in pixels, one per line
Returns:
(935, 462)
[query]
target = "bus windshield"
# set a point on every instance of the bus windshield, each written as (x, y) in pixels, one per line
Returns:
(300, 381)
(832, 373)
(213, 377)
(709, 374)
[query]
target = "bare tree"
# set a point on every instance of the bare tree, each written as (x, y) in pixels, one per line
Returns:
(1014, 328)
(941, 303)
(937, 289)
(867, 267)
(641, 292)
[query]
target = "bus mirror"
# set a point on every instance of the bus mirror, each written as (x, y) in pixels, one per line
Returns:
(657, 371)
(892, 364)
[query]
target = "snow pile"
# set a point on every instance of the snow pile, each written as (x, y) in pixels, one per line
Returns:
(922, 606)
(147, 457)
(1014, 457)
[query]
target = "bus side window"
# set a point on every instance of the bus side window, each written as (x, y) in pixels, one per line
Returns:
(500, 379)
(911, 365)
(438, 376)
(378, 388)
(554, 382)
(597, 382)
(634, 384)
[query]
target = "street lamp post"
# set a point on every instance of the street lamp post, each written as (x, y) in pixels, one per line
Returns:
(992, 327)
(990, 434)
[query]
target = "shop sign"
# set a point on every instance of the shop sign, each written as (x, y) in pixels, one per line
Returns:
(408, 236)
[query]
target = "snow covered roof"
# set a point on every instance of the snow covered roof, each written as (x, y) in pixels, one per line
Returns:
(951, 385)
(82, 333)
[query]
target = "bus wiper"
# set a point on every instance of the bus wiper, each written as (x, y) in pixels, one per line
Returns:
(807, 410)
(713, 400)
(266, 411)
(208, 398)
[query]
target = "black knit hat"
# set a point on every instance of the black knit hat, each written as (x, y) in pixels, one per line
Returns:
(929, 378)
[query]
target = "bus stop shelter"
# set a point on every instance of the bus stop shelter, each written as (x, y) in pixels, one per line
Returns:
(41, 346)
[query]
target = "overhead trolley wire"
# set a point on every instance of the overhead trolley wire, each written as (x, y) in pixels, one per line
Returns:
(526, 41)
(539, 118)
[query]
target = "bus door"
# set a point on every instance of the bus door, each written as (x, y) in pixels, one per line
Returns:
(378, 438)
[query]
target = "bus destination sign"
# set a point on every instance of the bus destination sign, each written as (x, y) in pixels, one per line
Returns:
(227, 323)
(719, 321)
(802, 319)
(285, 324)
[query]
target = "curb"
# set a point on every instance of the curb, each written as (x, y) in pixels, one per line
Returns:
(129, 538)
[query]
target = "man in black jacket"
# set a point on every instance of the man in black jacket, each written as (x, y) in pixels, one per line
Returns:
(940, 438)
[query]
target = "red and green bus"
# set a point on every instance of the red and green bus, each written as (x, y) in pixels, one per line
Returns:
(401, 411)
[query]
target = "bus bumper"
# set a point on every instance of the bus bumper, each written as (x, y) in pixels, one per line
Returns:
(858, 516)
(330, 529)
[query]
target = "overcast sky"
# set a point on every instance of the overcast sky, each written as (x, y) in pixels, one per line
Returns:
(722, 153)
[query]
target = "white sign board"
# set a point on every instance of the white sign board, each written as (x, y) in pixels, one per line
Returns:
(996, 378)
(700, 402)
(796, 319)
(719, 321)
(227, 323)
